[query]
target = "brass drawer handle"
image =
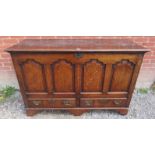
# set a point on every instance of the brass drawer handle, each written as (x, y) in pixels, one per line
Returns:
(79, 55)
(36, 102)
(117, 102)
(66, 103)
(89, 103)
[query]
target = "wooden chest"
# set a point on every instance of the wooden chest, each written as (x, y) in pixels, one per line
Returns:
(77, 75)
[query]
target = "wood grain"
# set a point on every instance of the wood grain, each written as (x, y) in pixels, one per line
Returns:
(78, 75)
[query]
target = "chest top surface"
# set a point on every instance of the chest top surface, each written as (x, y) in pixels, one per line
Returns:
(71, 45)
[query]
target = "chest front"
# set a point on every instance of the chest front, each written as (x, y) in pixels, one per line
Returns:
(77, 81)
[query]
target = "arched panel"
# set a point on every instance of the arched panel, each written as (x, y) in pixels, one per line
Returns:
(34, 77)
(63, 76)
(122, 75)
(93, 76)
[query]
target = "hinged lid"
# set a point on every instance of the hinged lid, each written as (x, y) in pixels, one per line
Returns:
(71, 45)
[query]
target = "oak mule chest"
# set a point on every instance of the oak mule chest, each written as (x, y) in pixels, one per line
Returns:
(77, 75)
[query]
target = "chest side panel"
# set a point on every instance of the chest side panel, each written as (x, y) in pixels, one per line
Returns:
(122, 73)
(93, 72)
(33, 73)
(46, 75)
(107, 74)
(63, 75)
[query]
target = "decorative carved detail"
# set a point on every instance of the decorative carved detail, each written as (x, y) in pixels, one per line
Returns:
(122, 111)
(32, 112)
(63, 75)
(41, 80)
(121, 82)
(95, 61)
(122, 62)
(29, 61)
(63, 61)
(78, 112)
(93, 75)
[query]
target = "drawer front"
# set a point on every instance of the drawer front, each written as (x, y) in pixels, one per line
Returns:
(40, 104)
(53, 103)
(64, 103)
(103, 103)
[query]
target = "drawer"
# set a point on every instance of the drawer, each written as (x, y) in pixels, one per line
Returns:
(103, 102)
(64, 103)
(40, 104)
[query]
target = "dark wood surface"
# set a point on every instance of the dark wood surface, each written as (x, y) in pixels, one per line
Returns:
(77, 81)
(74, 45)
